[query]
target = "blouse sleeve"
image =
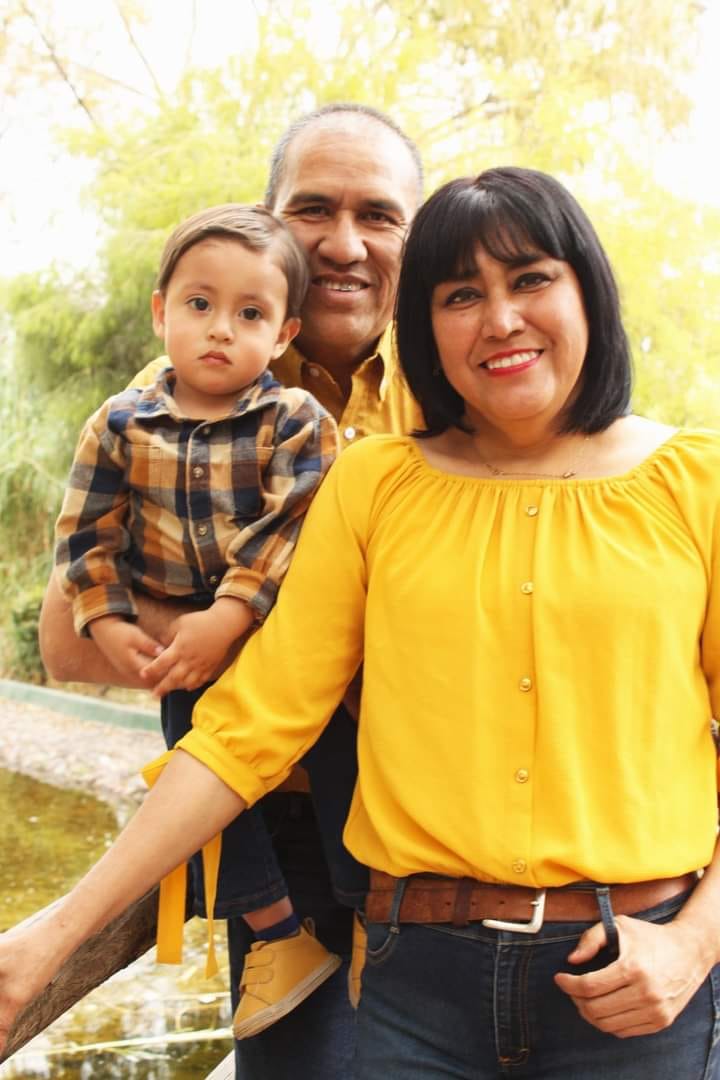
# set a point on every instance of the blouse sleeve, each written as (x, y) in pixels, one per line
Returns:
(271, 705)
(710, 642)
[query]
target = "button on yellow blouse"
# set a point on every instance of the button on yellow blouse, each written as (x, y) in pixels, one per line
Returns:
(417, 572)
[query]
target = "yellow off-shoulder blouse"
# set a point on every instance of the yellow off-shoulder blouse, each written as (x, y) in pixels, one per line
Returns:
(542, 662)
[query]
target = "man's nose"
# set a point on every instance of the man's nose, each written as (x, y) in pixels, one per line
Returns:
(342, 241)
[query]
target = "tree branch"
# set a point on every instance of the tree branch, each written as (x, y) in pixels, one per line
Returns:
(60, 68)
(136, 46)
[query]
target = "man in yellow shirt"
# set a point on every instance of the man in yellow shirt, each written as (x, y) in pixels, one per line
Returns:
(347, 182)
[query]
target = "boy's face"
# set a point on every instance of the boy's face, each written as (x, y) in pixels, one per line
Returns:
(222, 319)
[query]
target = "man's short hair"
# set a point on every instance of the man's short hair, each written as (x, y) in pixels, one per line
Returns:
(254, 227)
(278, 161)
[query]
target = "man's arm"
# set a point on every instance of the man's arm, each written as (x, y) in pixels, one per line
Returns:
(70, 658)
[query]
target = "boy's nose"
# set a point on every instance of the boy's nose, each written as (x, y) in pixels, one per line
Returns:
(221, 328)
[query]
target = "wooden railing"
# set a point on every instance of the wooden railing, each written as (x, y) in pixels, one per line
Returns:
(124, 939)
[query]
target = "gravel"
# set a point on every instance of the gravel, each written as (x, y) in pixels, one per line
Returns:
(80, 755)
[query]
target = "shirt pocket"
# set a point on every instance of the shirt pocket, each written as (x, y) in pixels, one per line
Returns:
(153, 475)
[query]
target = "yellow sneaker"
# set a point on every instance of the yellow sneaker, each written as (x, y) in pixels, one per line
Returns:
(277, 976)
(357, 960)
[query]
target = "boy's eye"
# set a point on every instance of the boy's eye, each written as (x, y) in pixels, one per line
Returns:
(251, 313)
(199, 303)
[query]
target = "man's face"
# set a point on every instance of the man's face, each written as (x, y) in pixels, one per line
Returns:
(348, 193)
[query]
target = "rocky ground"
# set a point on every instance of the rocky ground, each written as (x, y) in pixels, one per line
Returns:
(83, 755)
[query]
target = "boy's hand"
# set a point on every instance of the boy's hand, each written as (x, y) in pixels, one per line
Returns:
(124, 644)
(199, 648)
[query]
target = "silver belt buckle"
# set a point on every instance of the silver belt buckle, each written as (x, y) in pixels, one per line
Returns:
(531, 927)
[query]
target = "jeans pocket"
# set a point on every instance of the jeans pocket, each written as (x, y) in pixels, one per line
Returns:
(382, 939)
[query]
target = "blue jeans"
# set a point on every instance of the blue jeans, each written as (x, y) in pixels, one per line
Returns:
(440, 1002)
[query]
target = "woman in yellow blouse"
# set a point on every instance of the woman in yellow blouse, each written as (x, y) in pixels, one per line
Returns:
(533, 586)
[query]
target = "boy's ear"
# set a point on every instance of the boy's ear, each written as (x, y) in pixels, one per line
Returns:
(289, 329)
(157, 306)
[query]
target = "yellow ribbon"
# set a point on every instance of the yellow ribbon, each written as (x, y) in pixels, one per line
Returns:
(173, 890)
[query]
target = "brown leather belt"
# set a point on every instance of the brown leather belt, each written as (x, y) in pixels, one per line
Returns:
(431, 899)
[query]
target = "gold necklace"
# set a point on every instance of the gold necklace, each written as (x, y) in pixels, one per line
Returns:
(567, 475)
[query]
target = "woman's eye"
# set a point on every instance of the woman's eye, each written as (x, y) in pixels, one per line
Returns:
(461, 296)
(199, 303)
(251, 314)
(532, 279)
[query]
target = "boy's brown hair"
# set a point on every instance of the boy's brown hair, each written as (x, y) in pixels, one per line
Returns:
(252, 226)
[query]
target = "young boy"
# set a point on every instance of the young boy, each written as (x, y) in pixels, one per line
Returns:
(196, 488)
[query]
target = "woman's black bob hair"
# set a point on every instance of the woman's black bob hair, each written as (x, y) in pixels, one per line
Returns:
(510, 212)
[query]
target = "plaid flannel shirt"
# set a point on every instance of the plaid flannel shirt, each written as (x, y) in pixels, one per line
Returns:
(179, 507)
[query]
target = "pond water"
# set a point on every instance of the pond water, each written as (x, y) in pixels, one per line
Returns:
(149, 1022)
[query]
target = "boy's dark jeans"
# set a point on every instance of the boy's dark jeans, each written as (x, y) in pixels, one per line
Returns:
(304, 837)
(250, 874)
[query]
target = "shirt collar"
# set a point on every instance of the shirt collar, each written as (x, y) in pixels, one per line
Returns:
(289, 367)
(157, 399)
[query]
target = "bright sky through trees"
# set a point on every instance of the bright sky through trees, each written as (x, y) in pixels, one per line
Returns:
(42, 214)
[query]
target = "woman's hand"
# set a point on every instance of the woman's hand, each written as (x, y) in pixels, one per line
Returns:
(26, 967)
(659, 969)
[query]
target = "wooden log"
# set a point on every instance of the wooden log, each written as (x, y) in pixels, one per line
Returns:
(123, 940)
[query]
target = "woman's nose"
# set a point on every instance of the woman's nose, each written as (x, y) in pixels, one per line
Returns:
(501, 316)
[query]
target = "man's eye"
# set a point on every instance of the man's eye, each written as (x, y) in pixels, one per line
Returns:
(199, 303)
(315, 211)
(251, 313)
(378, 217)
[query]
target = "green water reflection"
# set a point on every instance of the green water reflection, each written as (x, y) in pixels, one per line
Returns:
(149, 1022)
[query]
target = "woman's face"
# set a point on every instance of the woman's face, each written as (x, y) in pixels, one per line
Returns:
(512, 339)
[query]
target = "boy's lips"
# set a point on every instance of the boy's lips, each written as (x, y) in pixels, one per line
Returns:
(215, 358)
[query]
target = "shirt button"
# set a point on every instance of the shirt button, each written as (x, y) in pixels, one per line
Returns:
(527, 587)
(202, 530)
(349, 432)
(519, 866)
(522, 776)
(531, 511)
(525, 684)
(213, 579)
(198, 471)
(205, 430)
(314, 370)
